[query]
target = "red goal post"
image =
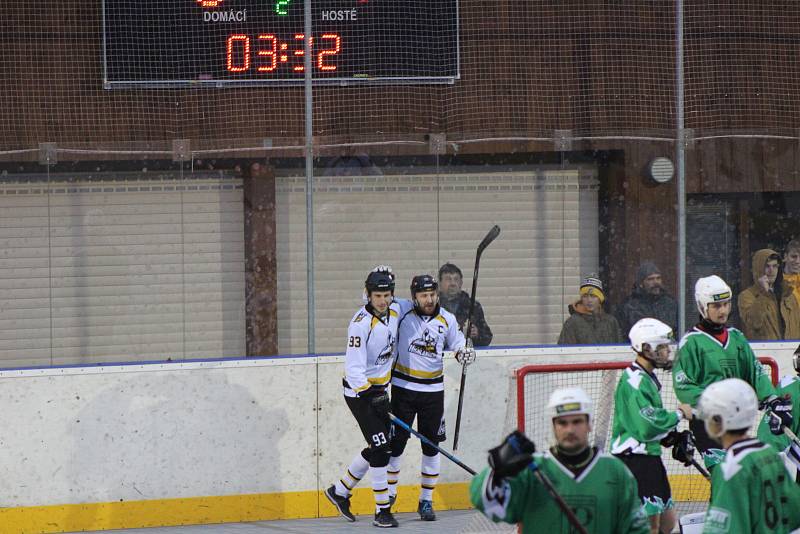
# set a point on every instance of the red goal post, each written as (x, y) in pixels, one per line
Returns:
(535, 383)
(523, 372)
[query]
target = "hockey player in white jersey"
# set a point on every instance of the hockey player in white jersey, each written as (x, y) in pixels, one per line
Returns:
(371, 340)
(425, 331)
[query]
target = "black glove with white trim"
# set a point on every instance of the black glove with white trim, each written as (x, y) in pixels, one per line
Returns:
(511, 456)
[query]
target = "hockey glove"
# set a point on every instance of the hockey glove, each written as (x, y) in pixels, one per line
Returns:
(684, 447)
(511, 456)
(378, 399)
(781, 414)
(466, 355)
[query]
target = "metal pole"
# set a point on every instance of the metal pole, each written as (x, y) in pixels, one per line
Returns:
(309, 175)
(680, 164)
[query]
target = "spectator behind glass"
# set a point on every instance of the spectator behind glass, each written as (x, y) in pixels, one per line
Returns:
(588, 323)
(791, 266)
(648, 299)
(769, 309)
(456, 301)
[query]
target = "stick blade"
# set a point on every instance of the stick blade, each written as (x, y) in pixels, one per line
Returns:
(491, 236)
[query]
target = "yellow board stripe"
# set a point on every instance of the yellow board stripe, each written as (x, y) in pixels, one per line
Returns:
(255, 507)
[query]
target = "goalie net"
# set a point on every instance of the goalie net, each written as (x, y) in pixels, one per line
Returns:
(535, 383)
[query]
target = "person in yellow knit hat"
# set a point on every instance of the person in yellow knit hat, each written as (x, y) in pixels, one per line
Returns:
(588, 323)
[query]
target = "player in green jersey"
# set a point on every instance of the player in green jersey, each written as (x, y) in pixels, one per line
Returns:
(751, 490)
(641, 422)
(597, 486)
(712, 351)
(790, 385)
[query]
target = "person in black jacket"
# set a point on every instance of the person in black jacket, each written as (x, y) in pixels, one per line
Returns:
(456, 301)
(648, 299)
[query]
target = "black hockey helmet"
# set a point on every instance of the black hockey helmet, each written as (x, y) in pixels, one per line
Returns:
(423, 282)
(379, 281)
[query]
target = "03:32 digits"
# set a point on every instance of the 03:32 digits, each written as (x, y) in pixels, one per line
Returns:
(267, 53)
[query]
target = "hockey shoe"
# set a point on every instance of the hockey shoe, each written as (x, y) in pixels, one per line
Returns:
(384, 519)
(341, 503)
(392, 500)
(425, 510)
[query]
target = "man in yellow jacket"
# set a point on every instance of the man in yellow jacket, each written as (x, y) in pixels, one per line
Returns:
(765, 314)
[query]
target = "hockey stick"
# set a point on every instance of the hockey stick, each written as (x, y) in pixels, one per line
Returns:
(700, 468)
(491, 236)
(562, 504)
(425, 440)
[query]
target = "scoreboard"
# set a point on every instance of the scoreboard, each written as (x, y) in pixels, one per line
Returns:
(184, 43)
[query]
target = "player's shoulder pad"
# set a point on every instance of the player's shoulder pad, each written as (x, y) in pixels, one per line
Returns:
(735, 331)
(634, 377)
(447, 318)
(361, 320)
(688, 336)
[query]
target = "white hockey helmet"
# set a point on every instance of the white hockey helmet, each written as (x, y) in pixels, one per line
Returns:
(796, 360)
(570, 401)
(655, 334)
(710, 289)
(731, 403)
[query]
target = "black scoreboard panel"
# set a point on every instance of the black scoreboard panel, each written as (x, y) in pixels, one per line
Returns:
(157, 43)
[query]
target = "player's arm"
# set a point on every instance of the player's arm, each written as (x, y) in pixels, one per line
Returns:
(644, 421)
(355, 358)
(501, 491)
(686, 374)
(630, 514)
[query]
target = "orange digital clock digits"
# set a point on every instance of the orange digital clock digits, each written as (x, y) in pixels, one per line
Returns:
(210, 3)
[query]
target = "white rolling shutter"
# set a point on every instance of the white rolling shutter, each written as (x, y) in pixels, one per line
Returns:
(121, 268)
(549, 221)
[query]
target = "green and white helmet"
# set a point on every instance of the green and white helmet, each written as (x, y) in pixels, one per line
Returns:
(732, 403)
(570, 401)
(711, 289)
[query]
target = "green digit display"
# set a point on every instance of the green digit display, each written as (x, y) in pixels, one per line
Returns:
(282, 7)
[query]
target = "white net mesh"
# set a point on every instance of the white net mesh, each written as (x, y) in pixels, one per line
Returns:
(97, 75)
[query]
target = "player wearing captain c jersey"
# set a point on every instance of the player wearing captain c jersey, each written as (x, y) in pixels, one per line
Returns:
(598, 487)
(371, 339)
(641, 422)
(425, 331)
(752, 492)
(712, 351)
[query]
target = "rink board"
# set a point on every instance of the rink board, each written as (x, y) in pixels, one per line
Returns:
(124, 446)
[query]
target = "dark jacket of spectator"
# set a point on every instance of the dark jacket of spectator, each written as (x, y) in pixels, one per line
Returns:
(642, 303)
(459, 307)
(588, 323)
(584, 328)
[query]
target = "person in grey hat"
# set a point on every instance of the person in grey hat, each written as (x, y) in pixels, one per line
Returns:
(648, 299)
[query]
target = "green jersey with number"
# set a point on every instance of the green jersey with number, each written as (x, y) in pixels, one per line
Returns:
(604, 497)
(703, 360)
(640, 419)
(752, 493)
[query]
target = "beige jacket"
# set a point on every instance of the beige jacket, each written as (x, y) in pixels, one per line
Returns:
(758, 309)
